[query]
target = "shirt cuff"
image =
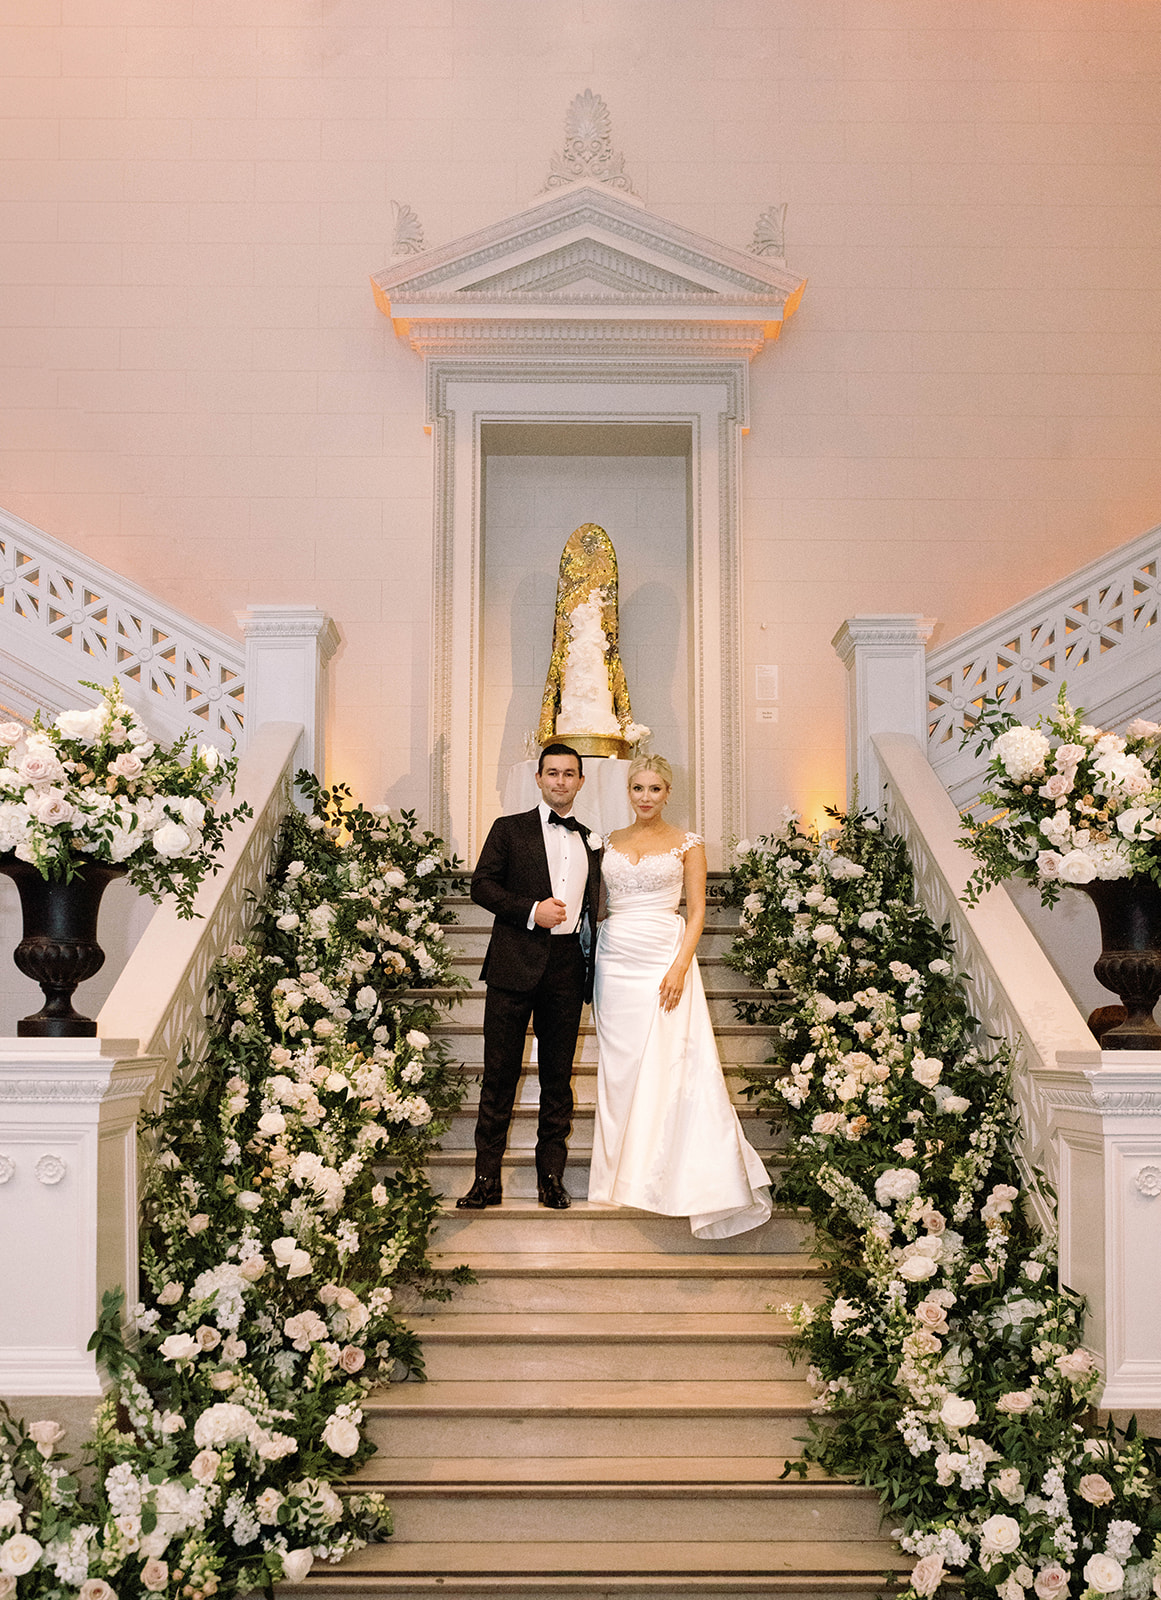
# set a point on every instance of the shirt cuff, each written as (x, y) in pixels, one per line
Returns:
(531, 923)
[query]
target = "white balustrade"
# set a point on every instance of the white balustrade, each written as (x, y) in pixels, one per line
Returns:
(64, 617)
(1091, 1119)
(883, 655)
(1097, 631)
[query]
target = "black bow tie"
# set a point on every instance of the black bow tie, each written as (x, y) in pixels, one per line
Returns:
(565, 822)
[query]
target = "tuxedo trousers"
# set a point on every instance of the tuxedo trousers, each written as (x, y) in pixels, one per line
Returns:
(554, 1009)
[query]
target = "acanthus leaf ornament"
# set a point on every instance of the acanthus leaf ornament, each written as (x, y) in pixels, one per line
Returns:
(588, 147)
(407, 236)
(770, 234)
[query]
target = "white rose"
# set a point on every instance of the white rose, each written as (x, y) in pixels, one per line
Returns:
(204, 1467)
(172, 840)
(999, 1535)
(252, 1269)
(917, 1268)
(197, 1224)
(1051, 1582)
(10, 1513)
(1075, 1365)
(911, 1023)
(288, 921)
(248, 1200)
(46, 1436)
(272, 1122)
(1076, 867)
(19, 1554)
(341, 1435)
(296, 1564)
(211, 757)
(927, 1574)
(82, 726)
(417, 1040)
(180, 1347)
(1101, 1573)
(926, 1071)
(127, 765)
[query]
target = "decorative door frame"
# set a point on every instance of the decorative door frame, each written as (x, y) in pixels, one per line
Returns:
(708, 397)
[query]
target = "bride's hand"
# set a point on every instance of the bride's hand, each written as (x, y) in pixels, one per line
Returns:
(671, 987)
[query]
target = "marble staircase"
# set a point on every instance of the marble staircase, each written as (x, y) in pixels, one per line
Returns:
(610, 1405)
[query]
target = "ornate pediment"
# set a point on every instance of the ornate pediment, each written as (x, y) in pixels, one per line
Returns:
(589, 269)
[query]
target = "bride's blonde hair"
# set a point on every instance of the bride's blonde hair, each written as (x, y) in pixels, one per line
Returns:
(657, 764)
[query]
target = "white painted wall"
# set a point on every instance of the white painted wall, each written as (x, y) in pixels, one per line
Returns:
(196, 388)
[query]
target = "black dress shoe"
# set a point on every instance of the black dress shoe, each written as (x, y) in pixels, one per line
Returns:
(484, 1192)
(551, 1192)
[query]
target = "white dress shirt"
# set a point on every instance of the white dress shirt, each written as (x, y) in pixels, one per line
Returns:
(568, 870)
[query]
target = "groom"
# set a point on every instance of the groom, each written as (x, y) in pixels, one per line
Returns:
(539, 876)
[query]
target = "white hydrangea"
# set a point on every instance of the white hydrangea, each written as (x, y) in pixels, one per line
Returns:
(1022, 752)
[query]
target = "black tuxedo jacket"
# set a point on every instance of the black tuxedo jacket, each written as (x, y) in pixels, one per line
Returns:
(510, 876)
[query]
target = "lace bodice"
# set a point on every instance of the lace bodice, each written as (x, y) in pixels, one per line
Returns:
(662, 873)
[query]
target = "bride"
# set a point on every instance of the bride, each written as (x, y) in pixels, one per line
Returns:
(666, 1138)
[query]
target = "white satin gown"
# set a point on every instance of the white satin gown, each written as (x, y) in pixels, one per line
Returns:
(666, 1138)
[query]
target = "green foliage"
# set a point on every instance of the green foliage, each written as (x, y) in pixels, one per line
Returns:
(947, 1362)
(285, 1207)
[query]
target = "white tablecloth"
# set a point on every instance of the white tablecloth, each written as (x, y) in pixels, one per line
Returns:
(602, 804)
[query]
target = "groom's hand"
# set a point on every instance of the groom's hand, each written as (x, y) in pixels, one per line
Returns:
(550, 913)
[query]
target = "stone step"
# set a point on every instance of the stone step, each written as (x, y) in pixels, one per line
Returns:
(716, 940)
(461, 911)
(520, 1225)
(522, 1129)
(578, 1418)
(576, 1570)
(738, 1043)
(635, 1345)
(625, 1282)
(716, 973)
(450, 1171)
(584, 1080)
(691, 1511)
(466, 1006)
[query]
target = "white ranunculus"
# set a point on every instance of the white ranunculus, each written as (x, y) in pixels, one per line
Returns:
(999, 1535)
(1076, 867)
(172, 840)
(296, 1564)
(341, 1435)
(82, 726)
(1104, 1574)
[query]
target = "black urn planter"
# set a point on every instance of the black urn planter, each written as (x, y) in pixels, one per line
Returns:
(1130, 960)
(59, 948)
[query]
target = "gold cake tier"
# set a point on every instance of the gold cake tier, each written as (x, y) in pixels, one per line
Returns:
(596, 744)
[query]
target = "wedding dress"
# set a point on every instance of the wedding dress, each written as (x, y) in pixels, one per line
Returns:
(666, 1137)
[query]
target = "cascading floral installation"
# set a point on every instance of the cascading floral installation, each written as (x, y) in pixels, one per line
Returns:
(286, 1199)
(948, 1362)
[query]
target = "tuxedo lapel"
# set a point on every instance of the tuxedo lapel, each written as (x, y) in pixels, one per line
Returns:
(532, 838)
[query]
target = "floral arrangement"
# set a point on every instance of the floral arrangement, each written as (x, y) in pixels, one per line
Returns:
(1075, 803)
(948, 1363)
(94, 785)
(286, 1204)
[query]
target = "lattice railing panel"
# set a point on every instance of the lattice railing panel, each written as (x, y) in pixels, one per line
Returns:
(1095, 620)
(92, 624)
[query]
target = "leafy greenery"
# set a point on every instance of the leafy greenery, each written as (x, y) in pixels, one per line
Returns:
(948, 1365)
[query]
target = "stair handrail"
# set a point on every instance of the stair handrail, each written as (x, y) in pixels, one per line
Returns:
(1096, 630)
(1016, 993)
(65, 617)
(161, 995)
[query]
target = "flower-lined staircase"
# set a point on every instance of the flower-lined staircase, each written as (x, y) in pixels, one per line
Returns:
(611, 1404)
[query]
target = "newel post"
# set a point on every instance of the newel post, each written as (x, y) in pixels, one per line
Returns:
(886, 692)
(68, 1203)
(287, 652)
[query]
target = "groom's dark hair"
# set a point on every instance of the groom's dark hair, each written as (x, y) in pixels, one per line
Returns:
(561, 750)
